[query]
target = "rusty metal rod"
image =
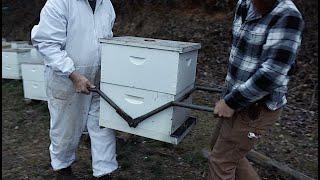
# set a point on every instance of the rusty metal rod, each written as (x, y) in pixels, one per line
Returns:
(193, 106)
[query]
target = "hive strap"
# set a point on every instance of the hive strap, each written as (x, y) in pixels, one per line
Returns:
(134, 122)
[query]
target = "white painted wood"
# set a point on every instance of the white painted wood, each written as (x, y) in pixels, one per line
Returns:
(150, 69)
(186, 73)
(11, 71)
(147, 133)
(149, 43)
(34, 90)
(142, 74)
(14, 56)
(9, 57)
(19, 44)
(11, 62)
(32, 72)
(179, 118)
(33, 81)
(137, 102)
(35, 56)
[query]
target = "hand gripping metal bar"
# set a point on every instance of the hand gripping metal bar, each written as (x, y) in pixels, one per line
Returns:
(178, 102)
(123, 114)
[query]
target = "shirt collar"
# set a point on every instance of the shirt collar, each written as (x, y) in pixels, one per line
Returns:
(255, 15)
(98, 2)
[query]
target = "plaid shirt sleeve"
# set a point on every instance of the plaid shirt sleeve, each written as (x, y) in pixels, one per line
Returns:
(278, 57)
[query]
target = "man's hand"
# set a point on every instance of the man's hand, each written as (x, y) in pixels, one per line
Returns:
(223, 110)
(80, 83)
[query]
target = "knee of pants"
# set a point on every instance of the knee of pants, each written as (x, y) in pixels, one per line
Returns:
(231, 151)
(221, 168)
(62, 143)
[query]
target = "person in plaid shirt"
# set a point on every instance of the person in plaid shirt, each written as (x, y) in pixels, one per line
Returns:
(266, 36)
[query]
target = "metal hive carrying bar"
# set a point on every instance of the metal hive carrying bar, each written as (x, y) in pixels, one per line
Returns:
(179, 102)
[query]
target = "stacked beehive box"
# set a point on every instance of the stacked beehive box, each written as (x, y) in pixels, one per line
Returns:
(11, 62)
(33, 75)
(140, 75)
(35, 57)
(22, 61)
(18, 44)
(33, 81)
(11, 57)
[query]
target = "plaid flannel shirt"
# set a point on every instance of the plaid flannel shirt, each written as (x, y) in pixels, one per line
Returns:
(263, 52)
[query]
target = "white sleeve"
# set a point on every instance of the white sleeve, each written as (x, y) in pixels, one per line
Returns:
(113, 16)
(49, 38)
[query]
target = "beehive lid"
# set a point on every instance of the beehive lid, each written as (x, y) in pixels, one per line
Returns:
(16, 50)
(149, 43)
(19, 42)
(31, 62)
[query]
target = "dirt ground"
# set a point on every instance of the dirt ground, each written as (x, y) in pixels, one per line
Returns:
(293, 140)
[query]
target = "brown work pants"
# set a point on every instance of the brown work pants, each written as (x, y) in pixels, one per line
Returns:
(230, 143)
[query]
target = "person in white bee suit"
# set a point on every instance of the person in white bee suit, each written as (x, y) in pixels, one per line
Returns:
(67, 36)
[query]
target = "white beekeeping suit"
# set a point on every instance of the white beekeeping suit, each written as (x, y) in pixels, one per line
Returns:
(67, 36)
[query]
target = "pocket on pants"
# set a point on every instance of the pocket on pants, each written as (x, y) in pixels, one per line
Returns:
(61, 87)
(236, 139)
(266, 121)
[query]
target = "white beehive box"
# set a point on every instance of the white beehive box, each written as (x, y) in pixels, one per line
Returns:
(18, 44)
(35, 56)
(33, 81)
(11, 62)
(142, 74)
(140, 62)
